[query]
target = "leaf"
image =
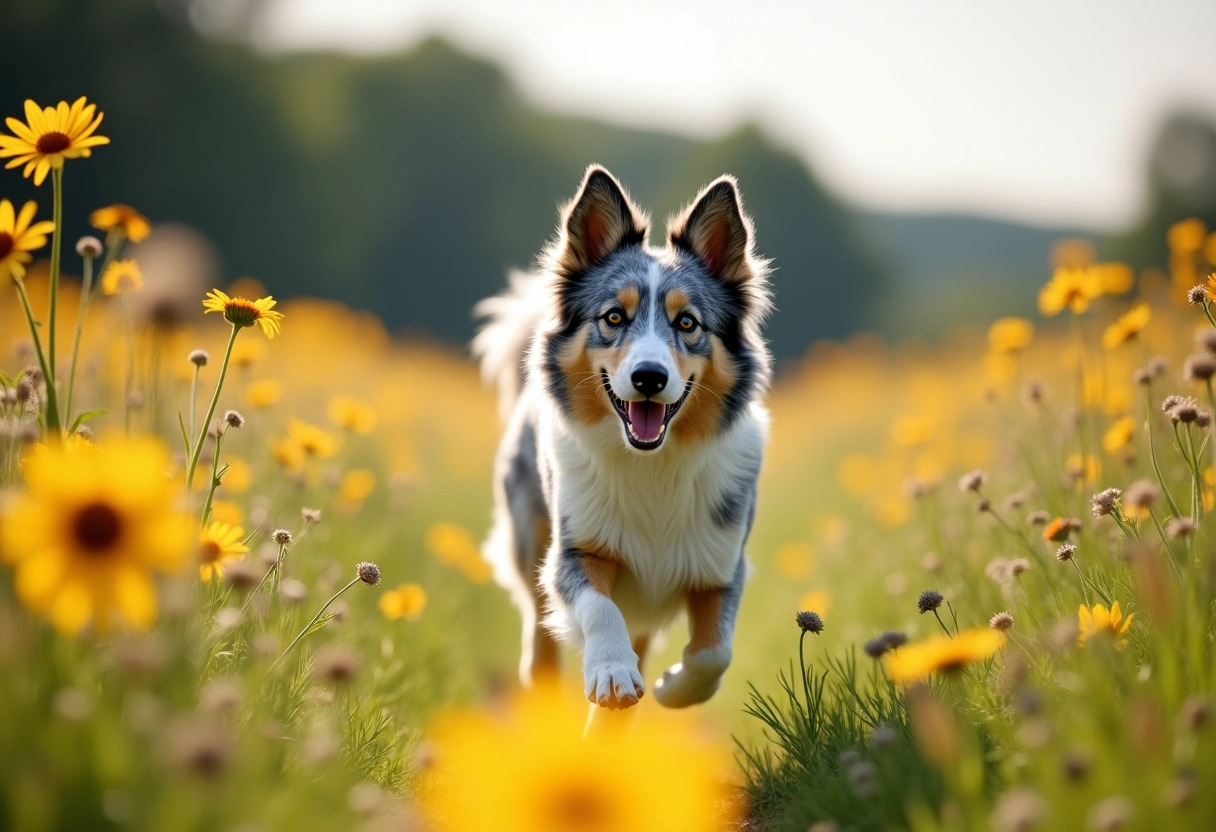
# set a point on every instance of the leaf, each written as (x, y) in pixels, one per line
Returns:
(84, 416)
(185, 439)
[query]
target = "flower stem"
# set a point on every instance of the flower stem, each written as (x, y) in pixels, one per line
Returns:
(86, 288)
(52, 394)
(215, 478)
(33, 325)
(317, 617)
(806, 685)
(197, 450)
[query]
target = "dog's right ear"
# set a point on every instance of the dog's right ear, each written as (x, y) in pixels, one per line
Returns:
(598, 221)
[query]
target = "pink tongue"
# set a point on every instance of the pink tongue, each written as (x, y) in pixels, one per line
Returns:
(647, 419)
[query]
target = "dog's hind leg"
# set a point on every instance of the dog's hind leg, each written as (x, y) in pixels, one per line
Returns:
(711, 626)
(540, 657)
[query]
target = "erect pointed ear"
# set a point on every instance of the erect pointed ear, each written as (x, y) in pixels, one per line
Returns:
(717, 231)
(598, 221)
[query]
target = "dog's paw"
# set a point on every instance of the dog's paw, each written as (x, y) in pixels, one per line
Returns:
(694, 680)
(613, 683)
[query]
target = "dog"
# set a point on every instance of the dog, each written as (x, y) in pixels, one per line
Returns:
(631, 381)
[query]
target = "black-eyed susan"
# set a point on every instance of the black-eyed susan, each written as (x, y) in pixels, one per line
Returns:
(121, 220)
(122, 276)
(218, 544)
(1070, 289)
(50, 135)
(241, 312)
(406, 601)
(351, 414)
(1097, 620)
(1010, 335)
(90, 530)
(1128, 326)
(664, 775)
(942, 654)
(20, 235)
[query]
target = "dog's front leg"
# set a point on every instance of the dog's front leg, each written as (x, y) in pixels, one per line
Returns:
(610, 667)
(711, 626)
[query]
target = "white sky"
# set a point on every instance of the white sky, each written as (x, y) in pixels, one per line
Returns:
(1031, 109)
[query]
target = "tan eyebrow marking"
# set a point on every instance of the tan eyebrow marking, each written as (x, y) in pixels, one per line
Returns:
(675, 302)
(630, 299)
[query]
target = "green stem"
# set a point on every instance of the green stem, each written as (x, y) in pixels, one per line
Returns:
(197, 450)
(193, 401)
(806, 685)
(317, 617)
(33, 325)
(215, 478)
(56, 240)
(945, 629)
(1152, 453)
(86, 288)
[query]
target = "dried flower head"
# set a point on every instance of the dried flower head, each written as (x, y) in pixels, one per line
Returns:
(1180, 527)
(1205, 339)
(1186, 411)
(335, 664)
(89, 246)
(875, 647)
(929, 600)
(1104, 502)
(1199, 367)
(198, 746)
(368, 572)
(199, 358)
(241, 574)
(1001, 621)
(281, 537)
(883, 737)
(1157, 366)
(894, 639)
(1142, 494)
(972, 481)
(234, 419)
(1142, 377)
(810, 622)
(220, 696)
(1170, 402)
(1203, 420)
(1065, 552)
(1017, 566)
(1196, 295)
(311, 515)
(1038, 518)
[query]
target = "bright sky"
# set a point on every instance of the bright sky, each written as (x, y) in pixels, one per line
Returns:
(1034, 109)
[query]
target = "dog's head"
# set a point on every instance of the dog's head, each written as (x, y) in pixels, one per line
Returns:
(664, 341)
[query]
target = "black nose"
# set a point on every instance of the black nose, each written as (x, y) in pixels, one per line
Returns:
(649, 378)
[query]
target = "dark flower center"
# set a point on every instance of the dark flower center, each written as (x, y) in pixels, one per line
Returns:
(210, 551)
(241, 312)
(97, 528)
(579, 808)
(6, 244)
(55, 142)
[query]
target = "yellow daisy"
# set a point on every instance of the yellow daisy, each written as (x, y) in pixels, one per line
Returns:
(351, 414)
(406, 601)
(50, 135)
(90, 530)
(1128, 326)
(18, 237)
(241, 312)
(942, 653)
(665, 774)
(1010, 335)
(122, 276)
(1070, 289)
(1099, 619)
(218, 544)
(1119, 434)
(122, 219)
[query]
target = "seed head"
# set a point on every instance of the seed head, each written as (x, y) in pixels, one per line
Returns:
(1180, 527)
(311, 515)
(1018, 565)
(1196, 295)
(1200, 367)
(1001, 621)
(335, 664)
(928, 601)
(220, 696)
(234, 419)
(23, 390)
(198, 358)
(1142, 377)
(85, 432)
(1038, 518)
(1170, 402)
(1065, 552)
(242, 574)
(810, 622)
(849, 758)
(198, 746)
(972, 481)
(1205, 339)
(1186, 411)
(281, 537)
(1104, 502)
(894, 639)
(89, 246)
(875, 648)
(883, 737)
(1203, 420)
(1157, 366)
(292, 591)
(369, 573)
(1142, 494)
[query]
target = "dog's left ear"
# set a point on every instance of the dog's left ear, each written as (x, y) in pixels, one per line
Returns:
(717, 231)
(599, 220)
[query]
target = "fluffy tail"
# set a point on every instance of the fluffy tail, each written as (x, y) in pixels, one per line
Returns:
(502, 342)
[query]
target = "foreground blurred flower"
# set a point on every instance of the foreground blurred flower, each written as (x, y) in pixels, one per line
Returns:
(121, 219)
(1128, 326)
(351, 414)
(92, 526)
(1010, 335)
(1099, 619)
(661, 776)
(1119, 434)
(122, 276)
(18, 237)
(312, 440)
(242, 313)
(1071, 289)
(406, 601)
(218, 544)
(51, 135)
(942, 653)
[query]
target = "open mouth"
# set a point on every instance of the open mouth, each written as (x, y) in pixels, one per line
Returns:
(645, 421)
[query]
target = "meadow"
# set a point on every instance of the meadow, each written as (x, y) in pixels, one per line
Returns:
(240, 581)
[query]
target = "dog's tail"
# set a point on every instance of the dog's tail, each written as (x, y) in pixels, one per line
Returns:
(502, 342)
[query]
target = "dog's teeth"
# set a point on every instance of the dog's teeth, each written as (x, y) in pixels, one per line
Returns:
(662, 428)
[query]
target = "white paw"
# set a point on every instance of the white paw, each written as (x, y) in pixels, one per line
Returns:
(613, 682)
(694, 680)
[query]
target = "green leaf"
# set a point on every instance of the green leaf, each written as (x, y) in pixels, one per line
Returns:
(84, 416)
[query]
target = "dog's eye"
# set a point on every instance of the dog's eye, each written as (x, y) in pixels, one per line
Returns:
(615, 317)
(686, 323)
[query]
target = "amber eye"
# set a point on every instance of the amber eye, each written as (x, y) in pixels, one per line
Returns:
(686, 323)
(615, 318)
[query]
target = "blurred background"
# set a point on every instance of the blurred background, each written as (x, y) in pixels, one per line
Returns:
(908, 165)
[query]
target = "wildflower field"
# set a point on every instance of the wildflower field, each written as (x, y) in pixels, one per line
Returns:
(241, 588)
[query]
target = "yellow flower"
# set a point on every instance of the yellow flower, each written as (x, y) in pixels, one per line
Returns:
(287, 453)
(818, 600)
(1113, 278)
(264, 393)
(122, 276)
(451, 544)
(1099, 619)
(911, 431)
(122, 219)
(1119, 434)
(18, 237)
(1128, 326)
(1072, 253)
(406, 601)
(795, 561)
(218, 544)
(351, 414)
(226, 511)
(662, 775)
(357, 486)
(916, 661)
(241, 312)
(1071, 289)
(1010, 335)
(1187, 236)
(246, 351)
(51, 135)
(311, 439)
(91, 527)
